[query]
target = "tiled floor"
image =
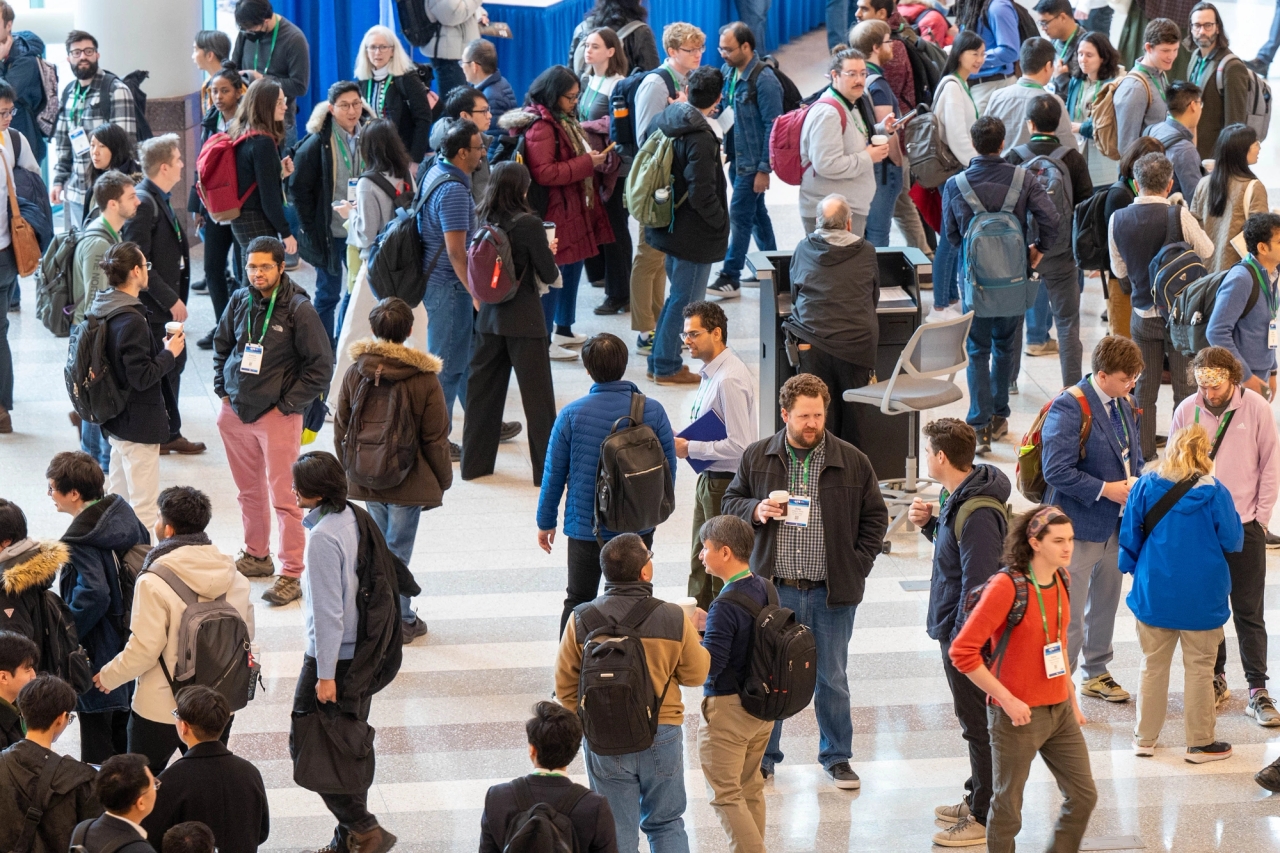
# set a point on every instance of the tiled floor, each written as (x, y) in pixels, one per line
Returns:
(452, 723)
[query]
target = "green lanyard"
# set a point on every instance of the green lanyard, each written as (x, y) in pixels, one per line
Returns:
(266, 323)
(733, 86)
(739, 576)
(274, 33)
(1263, 283)
(1065, 50)
(81, 94)
(1201, 65)
(1030, 84)
(1044, 137)
(382, 94)
(1044, 619)
(110, 230)
(1222, 427)
(342, 147)
(804, 469)
(1155, 81)
(964, 84)
(585, 105)
(1133, 188)
(851, 110)
(547, 773)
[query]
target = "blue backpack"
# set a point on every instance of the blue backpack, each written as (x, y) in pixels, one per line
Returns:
(993, 255)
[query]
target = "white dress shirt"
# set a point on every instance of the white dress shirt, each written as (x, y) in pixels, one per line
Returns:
(1200, 243)
(729, 390)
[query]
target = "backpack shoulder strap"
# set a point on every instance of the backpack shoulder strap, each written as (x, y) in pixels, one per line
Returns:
(970, 197)
(571, 798)
(380, 182)
(524, 795)
(175, 583)
(39, 802)
(1146, 84)
(640, 611)
(1086, 415)
(592, 620)
(628, 29)
(1015, 190)
(1024, 153)
(745, 602)
(1173, 226)
(1166, 502)
(637, 408)
(1059, 153)
(840, 110)
(1253, 295)
(974, 504)
(80, 832)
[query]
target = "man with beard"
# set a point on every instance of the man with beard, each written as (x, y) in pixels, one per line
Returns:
(817, 545)
(93, 98)
(1224, 95)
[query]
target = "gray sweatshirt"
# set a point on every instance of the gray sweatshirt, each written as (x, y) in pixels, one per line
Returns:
(1139, 102)
(652, 96)
(1010, 105)
(373, 210)
(329, 588)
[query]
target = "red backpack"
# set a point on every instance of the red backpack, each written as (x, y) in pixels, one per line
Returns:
(491, 275)
(784, 142)
(217, 181)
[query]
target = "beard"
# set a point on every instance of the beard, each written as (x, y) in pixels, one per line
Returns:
(85, 71)
(1206, 42)
(797, 437)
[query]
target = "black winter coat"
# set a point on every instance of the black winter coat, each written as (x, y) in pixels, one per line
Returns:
(311, 191)
(531, 258)
(108, 830)
(73, 799)
(854, 517)
(700, 232)
(834, 292)
(163, 242)
(592, 819)
(217, 788)
(142, 366)
(409, 109)
(23, 581)
(10, 725)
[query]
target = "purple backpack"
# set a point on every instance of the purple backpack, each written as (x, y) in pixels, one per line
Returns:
(490, 274)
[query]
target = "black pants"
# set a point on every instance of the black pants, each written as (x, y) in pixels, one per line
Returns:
(970, 704)
(1248, 584)
(492, 359)
(103, 735)
(613, 264)
(843, 419)
(219, 242)
(351, 810)
(157, 741)
(584, 574)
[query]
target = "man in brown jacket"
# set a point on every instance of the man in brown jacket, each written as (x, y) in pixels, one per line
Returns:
(1223, 104)
(397, 390)
(649, 782)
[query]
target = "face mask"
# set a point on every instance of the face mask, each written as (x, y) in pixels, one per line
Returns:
(255, 35)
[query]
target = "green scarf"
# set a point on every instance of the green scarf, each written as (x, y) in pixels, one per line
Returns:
(578, 139)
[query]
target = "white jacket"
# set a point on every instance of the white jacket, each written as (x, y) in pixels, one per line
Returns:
(956, 111)
(155, 619)
(459, 25)
(841, 164)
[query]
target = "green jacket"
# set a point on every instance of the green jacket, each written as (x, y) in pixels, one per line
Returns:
(87, 278)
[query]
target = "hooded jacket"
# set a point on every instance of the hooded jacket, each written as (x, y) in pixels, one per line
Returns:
(699, 232)
(311, 189)
(432, 471)
(155, 620)
(141, 365)
(1180, 575)
(87, 278)
(27, 569)
(22, 72)
(297, 359)
(72, 800)
(580, 228)
(498, 92)
(408, 107)
(835, 286)
(959, 567)
(90, 585)
(1179, 144)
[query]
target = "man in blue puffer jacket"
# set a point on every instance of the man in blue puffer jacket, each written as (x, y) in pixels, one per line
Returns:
(580, 429)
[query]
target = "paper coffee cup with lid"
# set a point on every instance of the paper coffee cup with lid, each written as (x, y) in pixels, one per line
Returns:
(780, 497)
(172, 327)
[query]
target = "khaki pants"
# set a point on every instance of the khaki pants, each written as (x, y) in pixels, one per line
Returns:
(707, 495)
(731, 743)
(648, 286)
(1199, 650)
(135, 476)
(1118, 308)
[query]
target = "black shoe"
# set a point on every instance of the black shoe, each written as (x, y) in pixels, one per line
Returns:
(455, 452)
(725, 287)
(767, 773)
(1260, 67)
(207, 341)
(999, 428)
(15, 307)
(201, 286)
(1269, 777)
(613, 306)
(984, 441)
(599, 284)
(510, 429)
(410, 631)
(291, 262)
(844, 777)
(1273, 541)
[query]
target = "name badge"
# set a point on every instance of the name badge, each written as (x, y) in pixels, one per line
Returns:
(1273, 335)
(797, 512)
(351, 189)
(79, 141)
(725, 119)
(252, 361)
(1055, 664)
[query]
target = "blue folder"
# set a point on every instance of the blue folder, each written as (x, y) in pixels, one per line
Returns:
(709, 427)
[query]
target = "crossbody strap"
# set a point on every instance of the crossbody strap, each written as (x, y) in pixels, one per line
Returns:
(1166, 502)
(39, 802)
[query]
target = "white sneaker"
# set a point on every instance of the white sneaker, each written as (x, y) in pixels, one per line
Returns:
(938, 316)
(568, 340)
(559, 353)
(1143, 750)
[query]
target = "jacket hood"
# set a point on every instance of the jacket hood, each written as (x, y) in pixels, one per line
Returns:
(320, 115)
(36, 568)
(681, 119)
(204, 568)
(1195, 500)
(398, 362)
(830, 254)
(106, 302)
(26, 43)
(110, 524)
(517, 121)
(982, 480)
(25, 759)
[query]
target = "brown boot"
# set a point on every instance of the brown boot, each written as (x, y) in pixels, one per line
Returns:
(6, 422)
(376, 840)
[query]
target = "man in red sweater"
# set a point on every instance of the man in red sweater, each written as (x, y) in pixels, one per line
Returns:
(1032, 708)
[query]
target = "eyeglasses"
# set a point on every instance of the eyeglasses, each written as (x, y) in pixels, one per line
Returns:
(253, 269)
(486, 111)
(852, 75)
(71, 718)
(692, 334)
(1209, 26)
(146, 265)
(379, 48)
(8, 114)
(157, 784)
(87, 53)
(347, 105)
(696, 51)
(572, 98)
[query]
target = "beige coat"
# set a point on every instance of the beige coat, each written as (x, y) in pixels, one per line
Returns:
(155, 620)
(1222, 228)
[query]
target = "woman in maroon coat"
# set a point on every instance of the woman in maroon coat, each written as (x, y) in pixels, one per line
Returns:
(567, 190)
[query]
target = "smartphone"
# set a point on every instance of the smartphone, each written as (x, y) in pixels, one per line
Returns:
(906, 117)
(609, 147)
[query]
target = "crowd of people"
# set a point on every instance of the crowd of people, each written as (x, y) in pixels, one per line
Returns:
(1048, 137)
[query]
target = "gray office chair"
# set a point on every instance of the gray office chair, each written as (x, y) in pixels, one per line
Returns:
(935, 350)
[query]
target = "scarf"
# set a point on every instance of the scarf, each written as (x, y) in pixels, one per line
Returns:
(173, 543)
(578, 139)
(381, 74)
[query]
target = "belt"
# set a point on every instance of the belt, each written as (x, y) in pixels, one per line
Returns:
(718, 475)
(991, 78)
(802, 584)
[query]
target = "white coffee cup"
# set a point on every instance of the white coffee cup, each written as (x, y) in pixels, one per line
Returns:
(1208, 165)
(689, 606)
(879, 139)
(550, 228)
(780, 497)
(172, 327)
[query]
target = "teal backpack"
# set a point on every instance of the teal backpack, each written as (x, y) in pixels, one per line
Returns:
(993, 255)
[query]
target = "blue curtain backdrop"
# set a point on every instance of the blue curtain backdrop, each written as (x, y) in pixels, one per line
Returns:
(333, 29)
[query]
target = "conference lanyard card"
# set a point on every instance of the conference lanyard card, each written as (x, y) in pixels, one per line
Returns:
(351, 189)
(1273, 335)
(725, 119)
(252, 360)
(79, 141)
(797, 512)
(1055, 663)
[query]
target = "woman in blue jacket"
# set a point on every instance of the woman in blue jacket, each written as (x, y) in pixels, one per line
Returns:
(1180, 588)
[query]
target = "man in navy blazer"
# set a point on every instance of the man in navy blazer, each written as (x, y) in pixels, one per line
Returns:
(1091, 486)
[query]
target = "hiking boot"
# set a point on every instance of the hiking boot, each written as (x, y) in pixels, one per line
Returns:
(999, 428)
(1220, 691)
(644, 343)
(183, 446)
(1049, 347)
(966, 833)
(376, 840)
(1216, 751)
(1263, 709)
(844, 777)
(613, 306)
(1104, 687)
(952, 814)
(1143, 750)
(1269, 777)
(725, 287)
(984, 441)
(410, 631)
(683, 376)
(6, 422)
(510, 429)
(284, 590)
(255, 567)
(455, 452)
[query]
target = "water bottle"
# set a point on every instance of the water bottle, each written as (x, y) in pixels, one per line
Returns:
(662, 195)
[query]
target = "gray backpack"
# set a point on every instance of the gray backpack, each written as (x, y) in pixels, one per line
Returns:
(1257, 96)
(1050, 172)
(932, 160)
(993, 255)
(213, 644)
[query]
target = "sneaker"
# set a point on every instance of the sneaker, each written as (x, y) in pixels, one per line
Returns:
(683, 376)
(1049, 347)
(1143, 751)
(939, 315)
(844, 777)
(1260, 67)
(1221, 692)
(999, 428)
(410, 631)
(1104, 687)
(966, 833)
(284, 590)
(559, 353)
(766, 772)
(1273, 541)
(1013, 388)
(206, 342)
(1216, 751)
(1269, 777)
(376, 840)
(613, 306)
(725, 287)
(455, 452)
(510, 429)
(1263, 710)
(255, 567)
(952, 814)
(569, 340)
(984, 441)
(644, 343)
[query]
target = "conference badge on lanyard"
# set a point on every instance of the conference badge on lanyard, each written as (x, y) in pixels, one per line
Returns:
(251, 362)
(797, 512)
(79, 141)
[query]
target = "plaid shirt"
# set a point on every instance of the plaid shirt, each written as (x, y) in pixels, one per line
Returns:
(71, 170)
(801, 552)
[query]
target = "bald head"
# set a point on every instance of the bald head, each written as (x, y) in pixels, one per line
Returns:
(834, 214)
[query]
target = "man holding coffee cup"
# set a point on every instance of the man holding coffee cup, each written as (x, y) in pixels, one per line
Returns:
(818, 546)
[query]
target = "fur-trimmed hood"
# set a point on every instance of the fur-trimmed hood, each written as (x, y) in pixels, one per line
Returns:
(398, 362)
(517, 121)
(35, 568)
(320, 112)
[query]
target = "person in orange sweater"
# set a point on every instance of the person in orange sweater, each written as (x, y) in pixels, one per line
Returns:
(1031, 706)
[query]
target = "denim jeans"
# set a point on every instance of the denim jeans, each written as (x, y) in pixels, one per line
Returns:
(832, 629)
(1060, 294)
(1039, 319)
(688, 284)
(449, 324)
(645, 791)
(93, 442)
(748, 217)
(449, 75)
(755, 14)
(330, 288)
(560, 304)
(1099, 20)
(399, 526)
(1268, 51)
(8, 284)
(880, 217)
(840, 14)
(991, 345)
(946, 287)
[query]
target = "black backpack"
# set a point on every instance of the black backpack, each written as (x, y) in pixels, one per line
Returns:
(1089, 232)
(59, 642)
(1027, 26)
(38, 803)
(418, 28)
(791, 97)
(993, 655)
(95, 394)
(381, 443)
(134, 81)
(542, 827)
(616, 701)
(1191, 309)
(622, 108)
(395, 258)
(925, 74)
(634, 487)
(784, 660)
(128, 566)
